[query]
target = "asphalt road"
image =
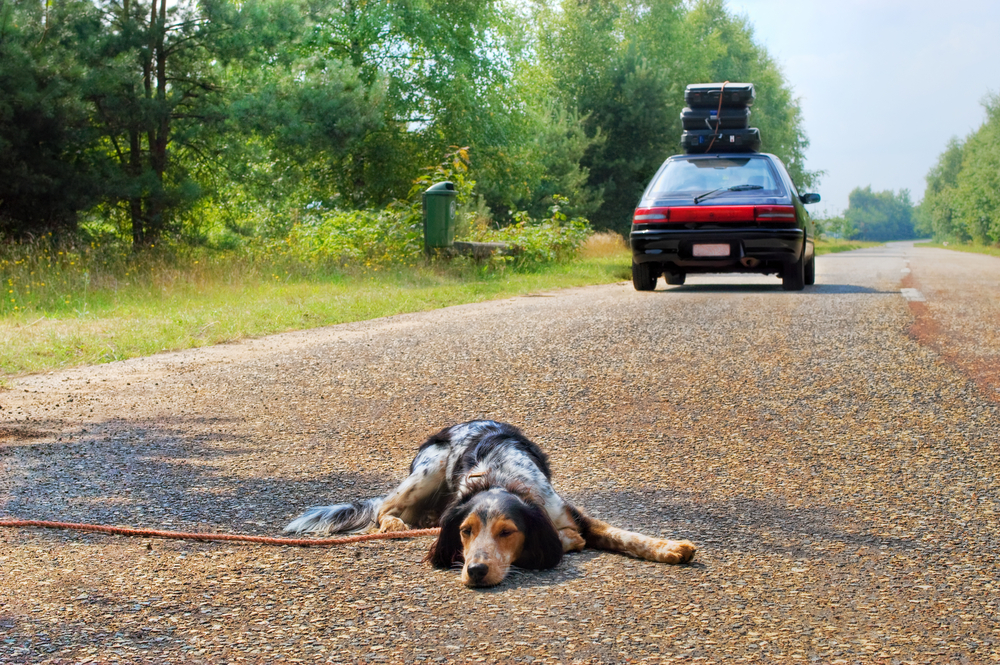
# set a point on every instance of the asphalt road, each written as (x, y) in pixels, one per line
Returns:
(833, 453)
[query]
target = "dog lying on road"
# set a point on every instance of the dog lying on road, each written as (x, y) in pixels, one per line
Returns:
(489, 488)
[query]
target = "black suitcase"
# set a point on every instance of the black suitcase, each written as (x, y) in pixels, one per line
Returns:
(706, 118)
(706, 95)
(697, 141)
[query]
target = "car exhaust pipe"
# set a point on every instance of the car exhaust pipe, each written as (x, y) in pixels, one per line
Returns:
(750, 262)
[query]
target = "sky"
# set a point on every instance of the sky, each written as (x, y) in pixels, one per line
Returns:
(883, 84)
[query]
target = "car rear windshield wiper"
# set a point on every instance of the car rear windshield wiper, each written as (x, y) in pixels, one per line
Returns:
(734, 188)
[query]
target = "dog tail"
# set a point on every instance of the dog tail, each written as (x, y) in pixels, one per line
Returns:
(339, 518)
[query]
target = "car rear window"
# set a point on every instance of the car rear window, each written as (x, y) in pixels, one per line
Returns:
(698, 175)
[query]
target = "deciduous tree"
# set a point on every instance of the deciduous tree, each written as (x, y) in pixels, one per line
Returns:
(880, 216)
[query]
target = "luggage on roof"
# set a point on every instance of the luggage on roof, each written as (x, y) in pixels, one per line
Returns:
(734, 95)
(705, 118)
(697, 141)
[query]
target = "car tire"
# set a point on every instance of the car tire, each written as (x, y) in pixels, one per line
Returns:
(674, 278)
(793, 277)
(644, 276)
(810, 277)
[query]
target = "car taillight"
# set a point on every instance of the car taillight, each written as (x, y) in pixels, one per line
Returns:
(650, 215)
(708, 214)
(774, 213)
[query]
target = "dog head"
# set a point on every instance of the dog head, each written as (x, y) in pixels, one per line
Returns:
(488, 529)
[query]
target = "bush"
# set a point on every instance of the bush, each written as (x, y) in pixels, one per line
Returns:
(536, 241)
(879, 216)
(345, 238)
(962, 201)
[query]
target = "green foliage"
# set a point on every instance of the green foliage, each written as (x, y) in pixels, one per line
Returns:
(538, 241)
(56, 274)
(209, 122)
(340, 239)
(374, 239)
(623, 66)
(160, 83)
(48, 172)
(937, 213)
(634, 114)
(729, 52)
(283, 148)
(835, 227)
(969, 248)
(962, 200)
(446, 65)
(55, 277)
(543, 162)
(557, 149)
(608, 69)
(978, 183)
(879, 216)
(840, 245)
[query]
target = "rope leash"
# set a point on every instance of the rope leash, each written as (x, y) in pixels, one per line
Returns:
(718, 116)
(179, 535)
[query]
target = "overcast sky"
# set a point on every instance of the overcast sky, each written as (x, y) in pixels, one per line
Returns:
(883, 83)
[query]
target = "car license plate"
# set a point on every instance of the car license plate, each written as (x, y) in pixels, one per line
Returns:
(710, 250)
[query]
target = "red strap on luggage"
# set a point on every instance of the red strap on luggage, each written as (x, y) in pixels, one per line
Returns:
(718, 116)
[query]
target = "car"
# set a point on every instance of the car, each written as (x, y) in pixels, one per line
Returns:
(722, 213)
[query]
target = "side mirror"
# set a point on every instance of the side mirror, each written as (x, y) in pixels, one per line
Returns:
(809, 198)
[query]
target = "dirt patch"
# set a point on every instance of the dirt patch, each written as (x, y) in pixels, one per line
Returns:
(11, 433)
(960, 318)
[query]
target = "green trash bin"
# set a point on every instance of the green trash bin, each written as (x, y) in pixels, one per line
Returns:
(439, 215)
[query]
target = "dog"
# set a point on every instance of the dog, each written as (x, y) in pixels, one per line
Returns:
(489, 489)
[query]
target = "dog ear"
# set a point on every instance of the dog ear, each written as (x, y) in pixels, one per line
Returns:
(542, 547)
(447, 550)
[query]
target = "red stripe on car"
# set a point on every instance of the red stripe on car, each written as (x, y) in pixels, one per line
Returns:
(738, 213)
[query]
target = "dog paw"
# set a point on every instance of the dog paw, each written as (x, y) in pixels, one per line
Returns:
(682, 551)
(571, 539)
(388, 524)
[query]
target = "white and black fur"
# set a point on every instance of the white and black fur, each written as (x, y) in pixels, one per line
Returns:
(486, 467)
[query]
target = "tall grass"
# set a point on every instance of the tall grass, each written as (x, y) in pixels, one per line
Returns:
(834, 245)
(80, 303)
(604, 244)
(973, 248)
(52, 279)
(57, 278)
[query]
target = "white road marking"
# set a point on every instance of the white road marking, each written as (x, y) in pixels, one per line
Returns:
(913, 295)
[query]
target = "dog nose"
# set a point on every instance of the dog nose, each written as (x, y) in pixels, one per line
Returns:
(477, 571)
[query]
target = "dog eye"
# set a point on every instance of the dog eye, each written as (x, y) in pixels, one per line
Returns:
(506, 532)
(466, 532)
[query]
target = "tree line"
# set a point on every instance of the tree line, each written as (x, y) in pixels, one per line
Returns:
(874, 216)
(962, 200)
(145, 118)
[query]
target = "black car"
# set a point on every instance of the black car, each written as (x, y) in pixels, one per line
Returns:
(726, 212)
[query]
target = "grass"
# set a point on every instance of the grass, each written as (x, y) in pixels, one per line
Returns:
(169, 307)
(80, 308)
(991, 250)
(836, 245)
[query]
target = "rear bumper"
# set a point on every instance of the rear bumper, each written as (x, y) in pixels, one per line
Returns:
(752, 249)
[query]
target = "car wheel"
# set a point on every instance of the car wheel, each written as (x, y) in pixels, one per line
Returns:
(793, 277)
(674, 278)
(811, 272)
(643, 276)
